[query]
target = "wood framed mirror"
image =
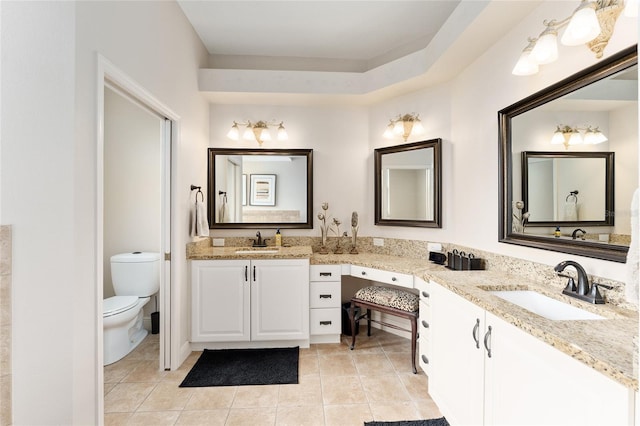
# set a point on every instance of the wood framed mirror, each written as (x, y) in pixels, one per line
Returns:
(408, 184)
(257, 188)
(606, 92)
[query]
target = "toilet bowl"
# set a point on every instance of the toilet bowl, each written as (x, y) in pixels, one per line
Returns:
(136, 277)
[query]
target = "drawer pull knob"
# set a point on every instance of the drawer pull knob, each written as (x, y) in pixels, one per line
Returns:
(325, 296)
(425, 294)
(325, 322)
(325, 274)
(425, 359)
(364, 273)
(425, 324)
(394, 279)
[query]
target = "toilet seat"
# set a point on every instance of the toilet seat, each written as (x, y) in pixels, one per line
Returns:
(118, 304)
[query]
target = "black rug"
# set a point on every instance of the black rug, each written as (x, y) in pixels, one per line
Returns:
(237, 367)
(431, 422)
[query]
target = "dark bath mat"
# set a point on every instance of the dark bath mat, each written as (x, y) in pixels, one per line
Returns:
(431, 422)
(237, 367)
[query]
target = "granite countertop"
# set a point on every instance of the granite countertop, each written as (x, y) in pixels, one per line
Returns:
(212, 253)
(605, 345)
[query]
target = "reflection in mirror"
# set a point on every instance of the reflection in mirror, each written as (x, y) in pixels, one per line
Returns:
(568, 189)
(603, 96)
(254, 188)
(408, 184)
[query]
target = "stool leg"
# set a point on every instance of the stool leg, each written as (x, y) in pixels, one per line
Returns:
(368, 322)
(352, 319)
(414, 337)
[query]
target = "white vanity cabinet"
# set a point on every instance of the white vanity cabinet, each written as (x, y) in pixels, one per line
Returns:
(249, 300)
(325, 315)
(487, 371)
(424, 325)
(387, 277)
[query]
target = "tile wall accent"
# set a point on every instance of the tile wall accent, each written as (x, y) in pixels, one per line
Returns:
(5, 325)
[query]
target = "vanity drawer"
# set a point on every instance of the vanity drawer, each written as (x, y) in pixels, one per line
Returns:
(423, 288)
(325, 273)
(325, 321)
(324, 294)
(394, 278)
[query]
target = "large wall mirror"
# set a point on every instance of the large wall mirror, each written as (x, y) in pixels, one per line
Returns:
(408, 184)
(260, 188)
(584, 189)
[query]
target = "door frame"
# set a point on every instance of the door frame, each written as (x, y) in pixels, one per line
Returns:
(110, 75)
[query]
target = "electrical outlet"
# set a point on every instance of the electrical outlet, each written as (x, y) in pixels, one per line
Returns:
(378, 242)
(218, 242)
(434, 246)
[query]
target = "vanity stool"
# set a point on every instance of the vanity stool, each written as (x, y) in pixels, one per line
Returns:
(389, 301)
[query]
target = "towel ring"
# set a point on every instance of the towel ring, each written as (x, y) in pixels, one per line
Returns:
(201, 194)
(574, 197)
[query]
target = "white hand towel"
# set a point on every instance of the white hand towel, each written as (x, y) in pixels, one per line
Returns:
(202, 225)
(633, 255)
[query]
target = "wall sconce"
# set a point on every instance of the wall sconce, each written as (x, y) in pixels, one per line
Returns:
(591, 23)
(568, 135)
(258, 130)
(404, 125)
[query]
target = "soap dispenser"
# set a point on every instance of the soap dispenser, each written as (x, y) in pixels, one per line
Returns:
(557, 232)
(278, 238)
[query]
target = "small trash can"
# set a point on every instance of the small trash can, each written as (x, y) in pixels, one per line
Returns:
(346, 324)
(155, 322)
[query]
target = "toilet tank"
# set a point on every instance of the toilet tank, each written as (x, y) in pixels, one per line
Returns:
(135, 274)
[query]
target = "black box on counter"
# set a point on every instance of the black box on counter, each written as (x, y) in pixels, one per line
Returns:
(460, 261)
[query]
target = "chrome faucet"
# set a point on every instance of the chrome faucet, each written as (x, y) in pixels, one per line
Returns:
(575, 235)
(583, 291)
(259, 242)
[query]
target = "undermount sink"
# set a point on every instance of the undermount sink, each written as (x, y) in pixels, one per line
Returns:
(257, 250)
(545, 306)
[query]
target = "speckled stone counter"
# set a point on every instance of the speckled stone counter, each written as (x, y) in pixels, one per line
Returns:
(605, 345)
(210, 253)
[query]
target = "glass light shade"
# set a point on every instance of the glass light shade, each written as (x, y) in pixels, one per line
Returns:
(418, 128)
(594, 137)
(398, 127)
(583, 27)
(525, 65)
(557, 138)
(248, 133)
(631, 8)
(282, 133)
(546, 49)
(575, 139)
(234, 132)
(388, 133)
(265, 135)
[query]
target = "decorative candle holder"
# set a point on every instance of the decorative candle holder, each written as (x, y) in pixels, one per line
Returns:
(324, 227)
(354, 233)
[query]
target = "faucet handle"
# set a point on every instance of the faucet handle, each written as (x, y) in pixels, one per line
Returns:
(595, 295)
(571, 285)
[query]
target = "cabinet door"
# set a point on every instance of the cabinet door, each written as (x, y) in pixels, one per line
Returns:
(456, 380)
(280, 299)
(220, 301)
(529, 382)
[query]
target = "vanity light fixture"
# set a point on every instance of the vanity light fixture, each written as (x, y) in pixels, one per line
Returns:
(258, 130)
(404, 125)
(567, 135)
(592, 23)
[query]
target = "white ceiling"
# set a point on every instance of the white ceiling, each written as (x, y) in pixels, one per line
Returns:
(349, 36)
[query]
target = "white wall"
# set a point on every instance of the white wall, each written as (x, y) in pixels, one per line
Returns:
(48, 175)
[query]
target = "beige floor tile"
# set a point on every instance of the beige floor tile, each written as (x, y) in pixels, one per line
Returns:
(308, 365)
(307, 392)
(153, 418)
(166, 396)
(145, 372)
(336, 365)
(203, 417)
(373, 364)
(310, 415)
(116, 419)
(347, 415)
(416, 385)
(117, 371)
(210, 398)
(342, 390)
(256, 396)
(390, 411)
(331, 349)
(251, 417)
(108, 387)
(384, 388)
(126, 397)
(312, 350)
(428, 409)
(402, 361)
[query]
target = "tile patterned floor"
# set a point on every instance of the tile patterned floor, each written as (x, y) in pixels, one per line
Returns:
(336, 386)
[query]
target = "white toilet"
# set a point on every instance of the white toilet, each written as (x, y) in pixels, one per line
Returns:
(135, 277)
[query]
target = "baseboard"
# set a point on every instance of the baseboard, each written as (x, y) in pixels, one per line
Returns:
(199, 346)
(324, 338)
